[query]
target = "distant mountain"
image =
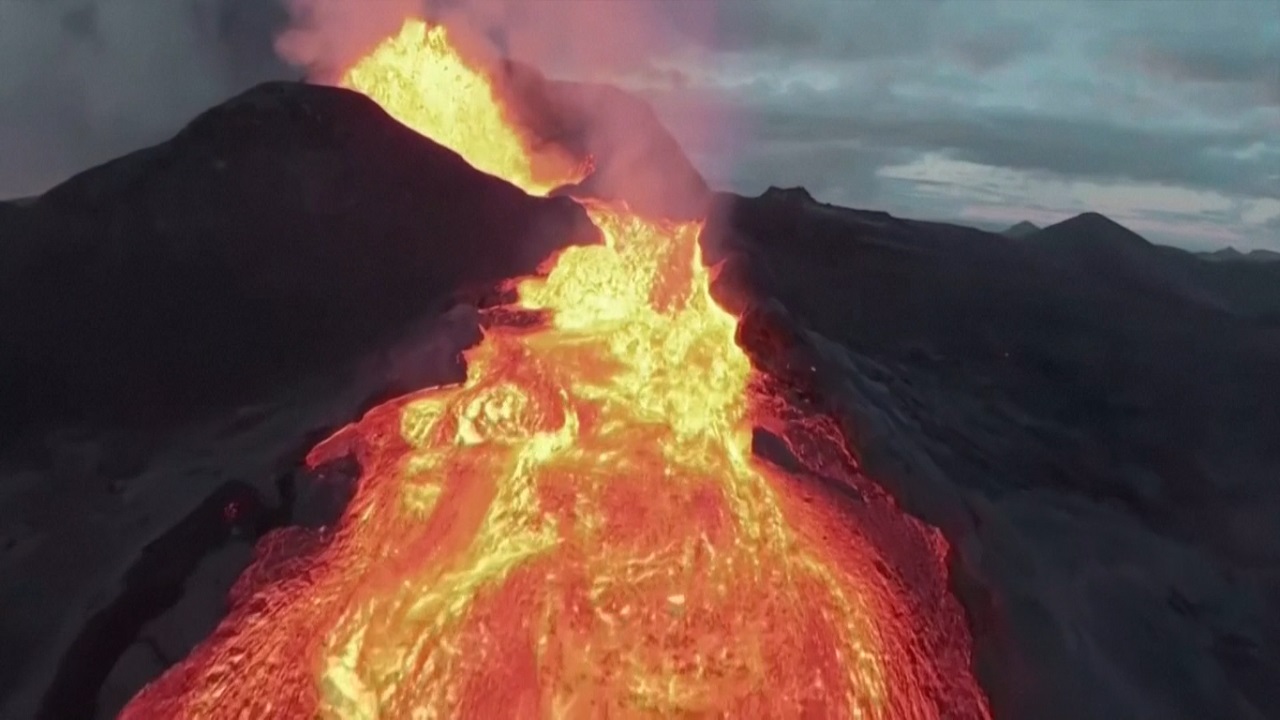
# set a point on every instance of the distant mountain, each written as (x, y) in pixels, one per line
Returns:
(1226, 253)
(1104, 254)
(1021, 230)
(1230, 254)
(1092, 230)
(797, 194)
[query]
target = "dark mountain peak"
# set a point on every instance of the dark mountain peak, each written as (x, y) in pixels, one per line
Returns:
(1264, 256)
(1226, 253)
(1091, 220)
(290, 225)
(288, 122)
(1091, 229)
(309, 110)
(1021, 230)
(792, 195)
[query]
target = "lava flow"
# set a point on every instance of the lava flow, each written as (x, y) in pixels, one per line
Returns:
(581, 528)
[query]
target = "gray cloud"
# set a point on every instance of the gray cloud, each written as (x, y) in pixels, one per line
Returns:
(1225, 63)
(998, 46)
(1091, 148)
(825, 29)
(85, 81)
(1176, 94)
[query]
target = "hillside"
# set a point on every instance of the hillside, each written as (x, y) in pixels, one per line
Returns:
(1100, 428)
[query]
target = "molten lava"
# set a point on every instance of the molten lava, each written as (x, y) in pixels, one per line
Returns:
(581, 528)
(406, 74)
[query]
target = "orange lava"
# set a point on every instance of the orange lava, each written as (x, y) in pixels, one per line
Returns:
(581, 529)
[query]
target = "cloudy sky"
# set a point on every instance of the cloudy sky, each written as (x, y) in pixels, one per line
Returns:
(1164, 115)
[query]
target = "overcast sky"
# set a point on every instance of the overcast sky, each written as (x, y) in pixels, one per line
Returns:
(1164, 115)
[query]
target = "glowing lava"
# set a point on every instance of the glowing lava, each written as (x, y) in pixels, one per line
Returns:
(581, 529)
(408, 74)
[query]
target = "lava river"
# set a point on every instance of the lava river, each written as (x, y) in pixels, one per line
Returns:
(581, 528)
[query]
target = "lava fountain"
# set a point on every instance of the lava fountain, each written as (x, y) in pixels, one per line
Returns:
(581, 529)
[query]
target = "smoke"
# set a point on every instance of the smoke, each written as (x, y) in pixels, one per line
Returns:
(638, 45)
(327, 36)
(584, 40)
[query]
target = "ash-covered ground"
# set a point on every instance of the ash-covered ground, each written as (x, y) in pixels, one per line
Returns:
(1092, 420)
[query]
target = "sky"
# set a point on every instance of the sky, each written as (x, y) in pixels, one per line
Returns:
(1164, 115)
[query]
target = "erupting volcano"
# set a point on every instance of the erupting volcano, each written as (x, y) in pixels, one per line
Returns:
(581, 528)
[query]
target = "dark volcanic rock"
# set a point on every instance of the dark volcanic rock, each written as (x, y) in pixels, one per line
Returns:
(1089, 418)
(118, 549)
(284, 230)
(152, 584)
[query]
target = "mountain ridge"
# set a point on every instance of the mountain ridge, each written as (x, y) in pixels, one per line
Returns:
(1231, 254)
(1021, 230)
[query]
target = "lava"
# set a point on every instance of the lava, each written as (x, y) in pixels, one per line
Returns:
(581, 528)
(472, 123)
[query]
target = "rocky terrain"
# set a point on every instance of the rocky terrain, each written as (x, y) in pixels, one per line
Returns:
(1091, 419)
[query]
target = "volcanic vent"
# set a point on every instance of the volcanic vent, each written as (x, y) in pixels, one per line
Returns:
(581, 528)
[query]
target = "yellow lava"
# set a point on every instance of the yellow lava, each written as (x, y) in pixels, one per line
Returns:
(592, 483)
(472, 122)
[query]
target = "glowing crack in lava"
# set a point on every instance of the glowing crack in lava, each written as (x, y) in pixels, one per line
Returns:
(581, 528)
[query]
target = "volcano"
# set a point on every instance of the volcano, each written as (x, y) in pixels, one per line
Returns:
(389, 401)
(580, 528)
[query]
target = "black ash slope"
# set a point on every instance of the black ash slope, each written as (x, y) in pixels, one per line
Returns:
(1091, 419)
